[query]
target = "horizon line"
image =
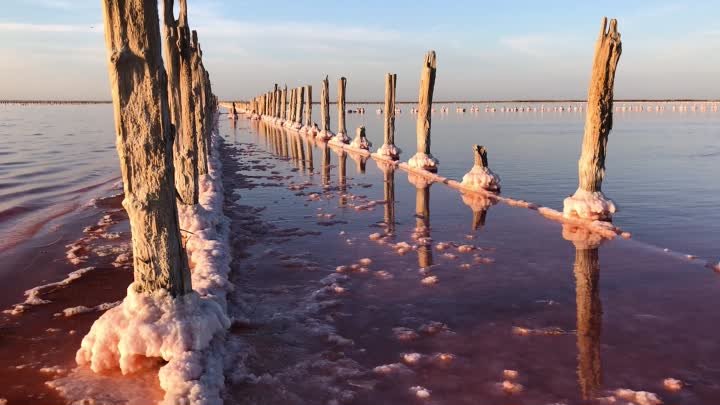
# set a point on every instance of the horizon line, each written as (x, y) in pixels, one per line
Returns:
(480, 101)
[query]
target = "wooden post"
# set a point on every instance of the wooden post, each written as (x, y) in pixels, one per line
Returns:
(276, 102)
(186, 151)
(342, 131)
(388, 149)
(325, 108)
(198, 76)
(589, 201)
(172, 63)
(308, 106)
(423, 159)
(300, 106)
(144, 143)
(283, 104)
(292, 106)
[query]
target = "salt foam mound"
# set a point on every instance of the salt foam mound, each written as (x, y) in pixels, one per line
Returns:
(184, 332)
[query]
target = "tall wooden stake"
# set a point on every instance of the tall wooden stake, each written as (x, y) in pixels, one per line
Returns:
(325, 106)
(589, 201)
(308, 106)
(342, 83)
(388, 148)
(144, 143)
(423, 159)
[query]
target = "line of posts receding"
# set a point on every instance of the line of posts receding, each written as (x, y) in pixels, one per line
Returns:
(164, 114)
(588, 202)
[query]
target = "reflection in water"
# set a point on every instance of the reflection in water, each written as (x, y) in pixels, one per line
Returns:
(360, 162)
(301, 152)
(422, 222)
(310, 166)
(342, 175)
(325, 164)
(479, 205)
(589, 308)
(389, 196)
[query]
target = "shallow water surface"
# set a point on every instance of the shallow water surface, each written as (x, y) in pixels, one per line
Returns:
(367, 285)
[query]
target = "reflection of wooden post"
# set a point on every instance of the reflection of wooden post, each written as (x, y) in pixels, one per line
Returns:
(144, 144)
(589, 320)
(308, 106)
(423, 159)
(342, 82)
(325, 105)
(588, 201)
(389, 195)
(325, 165)
(310, 162)
(422, 224)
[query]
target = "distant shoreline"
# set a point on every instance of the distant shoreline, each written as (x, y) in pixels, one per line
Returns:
(669, 100)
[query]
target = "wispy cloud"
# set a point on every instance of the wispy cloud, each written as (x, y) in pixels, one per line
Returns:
(50, 28)
(531, 44)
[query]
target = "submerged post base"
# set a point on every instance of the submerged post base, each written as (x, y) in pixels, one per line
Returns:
(591, 205)
(341, 138)
(481, 178)
(389, 150)
(423, 161)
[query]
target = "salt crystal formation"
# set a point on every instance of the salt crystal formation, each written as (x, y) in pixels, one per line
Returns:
(147, 328)
(589, 205)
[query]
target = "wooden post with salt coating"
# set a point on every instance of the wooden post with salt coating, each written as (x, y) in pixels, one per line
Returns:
(423, 158)
(588, 201)
(144, 143)
(172, 62)
(342, 84)
(186, 151)
(300, 105)
(388, 148)
(325, 105)
(283, 103)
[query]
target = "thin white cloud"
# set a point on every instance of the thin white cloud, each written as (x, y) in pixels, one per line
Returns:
(532, 44)
(50, 28)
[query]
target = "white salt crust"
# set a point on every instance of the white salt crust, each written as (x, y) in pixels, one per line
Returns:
(184, 332)
(481, 178)
(588, 205)
(361, 143)
(423, 161)
(390, 151)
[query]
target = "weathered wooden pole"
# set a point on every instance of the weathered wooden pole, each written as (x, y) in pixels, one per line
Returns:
(589, 201)
(283, 104)
(144, 143)
(480, 177)
(186, 150)
(342, 131)
(325, 109)
(423, 159)
(300, 106)
(276, 102)
(198, 77)
(308, 106)
(172, 63)
(292, 106)
(388, 149)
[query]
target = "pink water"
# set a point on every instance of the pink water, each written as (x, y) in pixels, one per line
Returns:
(630, 319)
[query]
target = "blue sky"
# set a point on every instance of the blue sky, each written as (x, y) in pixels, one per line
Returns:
(486, 50)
